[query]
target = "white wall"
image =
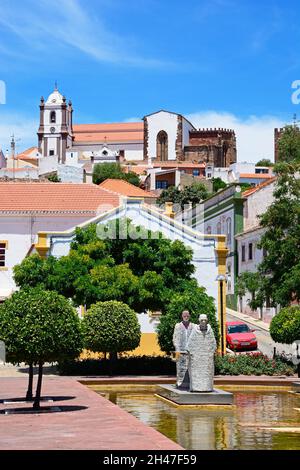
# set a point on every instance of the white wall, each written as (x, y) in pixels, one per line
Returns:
(70, 174)
(256, 204)
(21, 233)
(47, 164)
(162, 121)
(131, 155)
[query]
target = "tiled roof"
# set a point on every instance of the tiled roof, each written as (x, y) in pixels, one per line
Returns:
(180, 165)
(28, 154)
(124, 188)
(78, 199)
(256, 175)
(250, 191)
(138, 169)
(115, 132)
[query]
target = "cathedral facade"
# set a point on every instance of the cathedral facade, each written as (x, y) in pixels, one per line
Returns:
(161, 136)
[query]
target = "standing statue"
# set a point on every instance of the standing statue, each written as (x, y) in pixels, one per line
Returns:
(181, 335)
(201, 346)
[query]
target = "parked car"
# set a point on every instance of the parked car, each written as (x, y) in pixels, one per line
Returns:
(239, 337)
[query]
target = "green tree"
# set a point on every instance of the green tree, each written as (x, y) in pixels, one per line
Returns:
(264, 162)
(54, 178)
(171, 194)
(218, 184)
(285, 326)
(111, 327)
(196, 301)
(103, 171)
(193, 193)
(39, 326)
(251, 282)
(281, 239)
(289, 144)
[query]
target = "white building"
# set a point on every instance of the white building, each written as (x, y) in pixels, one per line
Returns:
(256, 202)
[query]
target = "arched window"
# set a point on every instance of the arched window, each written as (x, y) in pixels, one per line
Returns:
(228, 231)
(219, 228)
(162, 146)
(53, 117)
(208, 230)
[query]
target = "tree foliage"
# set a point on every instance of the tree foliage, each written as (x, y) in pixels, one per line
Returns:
(264, 162)
(285, 326)
(103, 171)
(39, 326)
(218, 184)
(289, 144)
(111, 327)
(281, 239)
(194, 194)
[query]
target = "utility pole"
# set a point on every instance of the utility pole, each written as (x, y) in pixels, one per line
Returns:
(13, 151)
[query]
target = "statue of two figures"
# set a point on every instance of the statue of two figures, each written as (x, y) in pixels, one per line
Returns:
(195, 346)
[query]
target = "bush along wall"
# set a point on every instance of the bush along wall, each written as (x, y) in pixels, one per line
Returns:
(243, 364)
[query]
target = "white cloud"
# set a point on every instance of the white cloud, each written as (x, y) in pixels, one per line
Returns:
(254, 134)
(67, 23)
(23, 128)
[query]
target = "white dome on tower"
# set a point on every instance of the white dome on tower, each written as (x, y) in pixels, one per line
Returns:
(55, 98)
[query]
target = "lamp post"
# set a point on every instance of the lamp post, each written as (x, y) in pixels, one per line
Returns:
(221, 278)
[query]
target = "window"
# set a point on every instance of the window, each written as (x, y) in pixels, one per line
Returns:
(53, 117)
(250, 251)
(243, 253)
(196, 172)
(3, 248)
(161, 184)
(208, 230)
(51, 153)
(162, 146)
(219, 228)
(242, 328)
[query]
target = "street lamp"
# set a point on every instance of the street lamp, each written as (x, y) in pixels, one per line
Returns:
(222, 278)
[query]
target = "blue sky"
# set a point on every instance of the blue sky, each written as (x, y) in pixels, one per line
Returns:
(227, 63)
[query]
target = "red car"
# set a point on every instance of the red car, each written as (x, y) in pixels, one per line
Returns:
(239, 336)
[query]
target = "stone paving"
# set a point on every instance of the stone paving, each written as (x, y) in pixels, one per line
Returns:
(100, 426)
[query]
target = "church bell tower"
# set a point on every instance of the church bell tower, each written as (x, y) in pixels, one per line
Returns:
(55, 134)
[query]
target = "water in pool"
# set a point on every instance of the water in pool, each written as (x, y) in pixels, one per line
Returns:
(245, 426)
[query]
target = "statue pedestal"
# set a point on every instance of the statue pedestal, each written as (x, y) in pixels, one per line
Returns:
(184, 397)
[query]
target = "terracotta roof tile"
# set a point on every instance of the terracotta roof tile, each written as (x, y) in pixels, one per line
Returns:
(115, 132)
(256, 175)
(55, 197)
(179, 165)
(124, 188)
(250, 191)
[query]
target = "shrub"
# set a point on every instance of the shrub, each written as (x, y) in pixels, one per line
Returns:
(111, 327)
(285, 326)
(251, 364)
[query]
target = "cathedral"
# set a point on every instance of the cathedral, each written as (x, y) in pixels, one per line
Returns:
(162, 136)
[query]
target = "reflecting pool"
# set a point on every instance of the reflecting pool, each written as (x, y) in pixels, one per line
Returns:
(259, 419)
